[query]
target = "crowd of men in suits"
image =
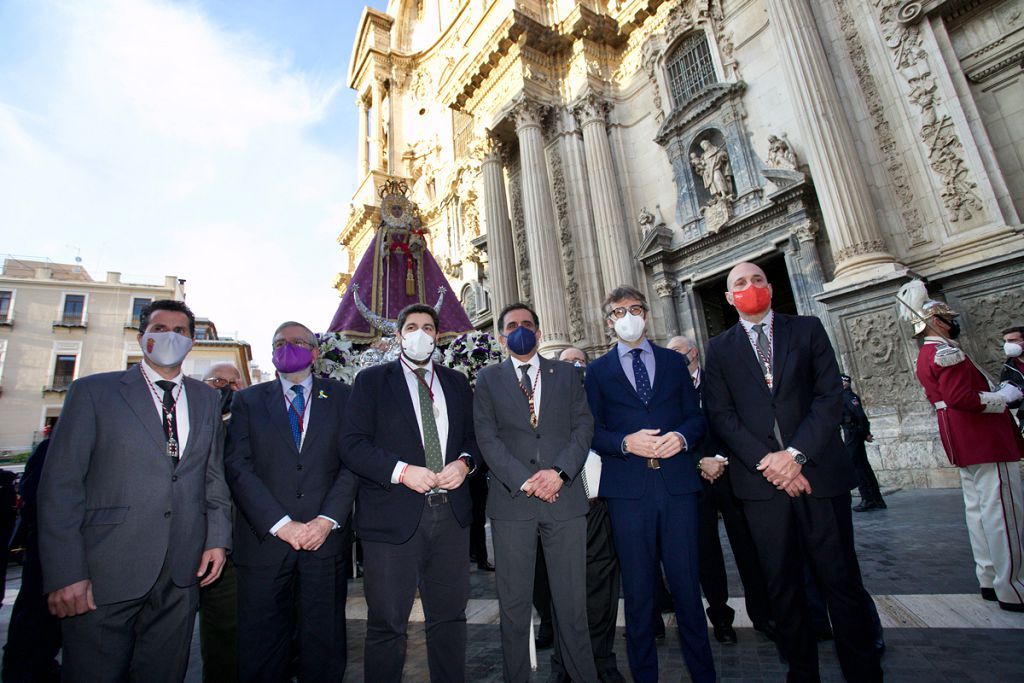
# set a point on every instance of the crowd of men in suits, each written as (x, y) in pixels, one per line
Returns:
(161, 493)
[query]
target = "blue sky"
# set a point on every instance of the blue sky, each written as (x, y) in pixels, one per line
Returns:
(210, 139)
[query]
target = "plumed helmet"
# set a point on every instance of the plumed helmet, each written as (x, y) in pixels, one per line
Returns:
(915, 295)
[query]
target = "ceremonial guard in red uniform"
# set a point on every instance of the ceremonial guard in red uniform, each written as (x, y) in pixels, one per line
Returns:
(980, 438)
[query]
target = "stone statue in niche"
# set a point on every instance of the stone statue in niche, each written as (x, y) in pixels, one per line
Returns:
(780, 153)
(714, 169)
(646, 221)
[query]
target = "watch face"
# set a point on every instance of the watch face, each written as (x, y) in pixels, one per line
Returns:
(800, 459)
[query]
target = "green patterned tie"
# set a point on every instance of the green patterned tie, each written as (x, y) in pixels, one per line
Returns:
(431, 441)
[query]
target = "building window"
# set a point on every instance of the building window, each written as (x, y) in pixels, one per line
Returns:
(201, 333)
(690, 68)
(137, 305)
(63, 372)
(6, 307)
(74, 310)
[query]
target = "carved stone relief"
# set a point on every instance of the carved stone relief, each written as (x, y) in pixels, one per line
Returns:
(989, 314)
(886, 378)
(937, 132)
(519, 233)
(780, 153)
(573, 299)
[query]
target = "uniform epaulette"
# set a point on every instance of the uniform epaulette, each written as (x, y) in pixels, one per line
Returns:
(947, 356)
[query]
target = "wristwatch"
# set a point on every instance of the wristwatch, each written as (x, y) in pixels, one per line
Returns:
(562, 475)
(798, 457)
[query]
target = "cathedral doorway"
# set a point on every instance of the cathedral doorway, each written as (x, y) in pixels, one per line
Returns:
(716, 313)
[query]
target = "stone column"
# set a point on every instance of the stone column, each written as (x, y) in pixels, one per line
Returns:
(378, 119)
(805, 273)
(856, 239)
(665, 288)
(500, 251)
(364, 162)
(541, 232)
(609, 220)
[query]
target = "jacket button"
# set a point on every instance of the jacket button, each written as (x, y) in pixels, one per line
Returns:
(538, 436)
(167, 515)
(174, 477)
(298, 495)
(298, 467)
(532, 461)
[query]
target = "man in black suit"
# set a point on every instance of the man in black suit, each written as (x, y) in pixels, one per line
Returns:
(857, 430)
(408, 434)
(774, 398)
(294, 497)
(717, 497)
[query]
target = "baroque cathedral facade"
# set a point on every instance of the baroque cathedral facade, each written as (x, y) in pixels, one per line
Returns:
(558, 148)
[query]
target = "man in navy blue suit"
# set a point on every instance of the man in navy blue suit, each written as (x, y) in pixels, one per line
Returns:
(774, 398)
(294, 496)
(647, 426)
(408, 434)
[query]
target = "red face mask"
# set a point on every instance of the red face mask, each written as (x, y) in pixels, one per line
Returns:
(752, 300)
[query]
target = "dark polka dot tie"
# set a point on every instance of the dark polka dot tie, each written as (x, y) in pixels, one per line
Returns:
(643, 380)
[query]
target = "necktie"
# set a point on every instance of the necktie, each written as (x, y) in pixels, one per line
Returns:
(766, 349)
(431, 441)
(527, 382)
(170, 421)
(643, 380)
(296, 412)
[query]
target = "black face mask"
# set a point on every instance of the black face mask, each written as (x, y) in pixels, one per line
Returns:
(954, 328)
(226, 394)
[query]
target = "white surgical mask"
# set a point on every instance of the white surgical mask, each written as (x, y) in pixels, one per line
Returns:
(1013, 349)
(165, 349)
(630, 327)
(417, 345)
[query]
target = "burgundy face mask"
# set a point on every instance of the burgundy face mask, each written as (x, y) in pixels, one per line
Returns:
(291, 358)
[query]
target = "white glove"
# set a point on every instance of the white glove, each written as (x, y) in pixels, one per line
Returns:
(993, 401)
(1009, 392)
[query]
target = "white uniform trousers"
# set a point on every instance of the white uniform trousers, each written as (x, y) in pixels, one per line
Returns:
(995, 522)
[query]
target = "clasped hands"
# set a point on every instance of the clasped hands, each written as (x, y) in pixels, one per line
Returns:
(648, 444)
(784, 473)
(306, 536)
(422, 480)
(545, 484)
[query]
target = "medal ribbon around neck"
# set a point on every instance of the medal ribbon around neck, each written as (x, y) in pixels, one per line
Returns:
(172, 443)
(529, 399)
(291, 408)
(766, 361)
(429, 387)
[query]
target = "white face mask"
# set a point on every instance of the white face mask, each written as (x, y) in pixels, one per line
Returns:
(1013, 349)
(630, 327)
(165, 349)
(417, 346)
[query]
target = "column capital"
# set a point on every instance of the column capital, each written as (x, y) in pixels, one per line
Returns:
(804, 231)
(528, 112)
(486, 147)
(664, 288)
(591, 109)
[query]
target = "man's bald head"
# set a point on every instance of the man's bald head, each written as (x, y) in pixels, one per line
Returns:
(749, 291)
(745, 274)
(223, 374)
(573, 355)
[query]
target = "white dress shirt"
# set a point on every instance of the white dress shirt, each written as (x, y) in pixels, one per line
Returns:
(768, 331)
(441, 419)
(535, 379)
(180, 408)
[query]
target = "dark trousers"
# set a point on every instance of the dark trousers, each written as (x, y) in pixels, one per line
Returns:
(33, 636)
(867, 484)
(602, 591)
(714, 499)
(788, 530)
(218, 627)
(542, 595)
(638, 525)
(435, 561)
(144, 640)
(477, 529)
(304, 594)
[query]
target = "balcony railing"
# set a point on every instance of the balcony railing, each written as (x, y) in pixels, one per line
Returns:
(70, 321)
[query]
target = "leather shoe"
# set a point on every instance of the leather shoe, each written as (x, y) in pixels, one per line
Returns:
(610, 676)
(988, 594)
(485, 566)
(725, 634)
(1011, 606)
(767, 630)
(868, 506)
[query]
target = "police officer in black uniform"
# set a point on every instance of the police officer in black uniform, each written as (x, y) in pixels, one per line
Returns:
(857, 430)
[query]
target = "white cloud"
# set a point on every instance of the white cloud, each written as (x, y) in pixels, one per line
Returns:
(160, 145)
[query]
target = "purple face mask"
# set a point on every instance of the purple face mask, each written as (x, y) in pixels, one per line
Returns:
(291, 358)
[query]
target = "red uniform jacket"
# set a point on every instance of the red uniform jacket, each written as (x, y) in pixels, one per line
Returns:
(970, 436)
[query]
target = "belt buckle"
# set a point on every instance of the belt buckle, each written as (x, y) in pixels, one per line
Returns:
(653, 463)
(436, 499)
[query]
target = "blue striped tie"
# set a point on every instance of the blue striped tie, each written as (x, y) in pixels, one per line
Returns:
(643, 380)
(295, 413)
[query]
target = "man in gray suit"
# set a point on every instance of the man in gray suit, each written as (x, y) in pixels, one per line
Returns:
(134, 510)
(533, 427)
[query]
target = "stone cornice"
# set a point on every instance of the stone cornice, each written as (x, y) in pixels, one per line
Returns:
(373, 26)
(701, 103)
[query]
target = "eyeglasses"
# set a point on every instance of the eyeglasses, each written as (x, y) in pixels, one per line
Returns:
(294, 342)
(635, 309)
(220, 382)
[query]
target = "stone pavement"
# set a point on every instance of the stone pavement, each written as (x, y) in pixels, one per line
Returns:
(915, 559)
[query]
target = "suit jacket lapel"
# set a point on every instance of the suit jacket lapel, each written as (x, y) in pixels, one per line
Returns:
(746, 354)
(396, 380)
(780, 350)
(510, 378)
(620, 374)
(139, 397)
(273, 401)
(318, 411)
(454, 413)
(547, 373)
(196, 405)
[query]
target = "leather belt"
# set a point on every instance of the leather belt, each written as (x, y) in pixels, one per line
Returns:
(436, 499)
(941, 405)
(654, 463)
